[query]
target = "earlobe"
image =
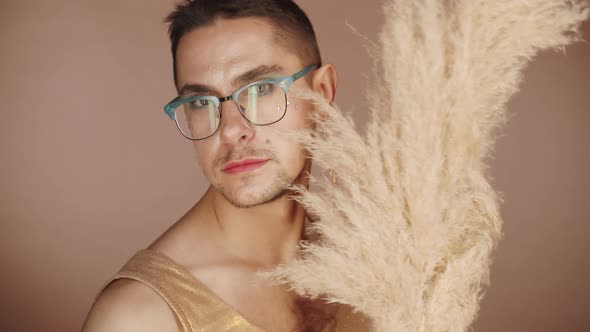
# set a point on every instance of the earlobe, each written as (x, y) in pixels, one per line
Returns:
(325, 81)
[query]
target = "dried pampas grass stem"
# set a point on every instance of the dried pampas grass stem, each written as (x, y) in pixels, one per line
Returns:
(406, 233)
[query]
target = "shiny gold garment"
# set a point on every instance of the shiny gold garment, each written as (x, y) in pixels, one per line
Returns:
(195, 306)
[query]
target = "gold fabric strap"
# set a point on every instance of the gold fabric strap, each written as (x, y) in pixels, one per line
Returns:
(195, 306)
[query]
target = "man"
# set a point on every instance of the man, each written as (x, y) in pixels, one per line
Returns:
(246, 221)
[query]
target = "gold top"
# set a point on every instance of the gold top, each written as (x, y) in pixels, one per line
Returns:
(196, 307)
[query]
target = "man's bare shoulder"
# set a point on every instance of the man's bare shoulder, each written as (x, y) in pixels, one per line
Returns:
(128, 305)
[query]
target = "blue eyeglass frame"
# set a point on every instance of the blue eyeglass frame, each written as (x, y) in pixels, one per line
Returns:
(284, 82)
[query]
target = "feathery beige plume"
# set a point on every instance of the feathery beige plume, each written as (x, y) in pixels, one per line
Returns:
(405, 236)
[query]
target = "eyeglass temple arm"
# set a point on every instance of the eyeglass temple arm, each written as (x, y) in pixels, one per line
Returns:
(169, 108)
(305, 70)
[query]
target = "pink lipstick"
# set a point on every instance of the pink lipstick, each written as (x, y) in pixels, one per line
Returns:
(245, 165)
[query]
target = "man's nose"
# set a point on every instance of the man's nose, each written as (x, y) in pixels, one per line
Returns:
(233, 127)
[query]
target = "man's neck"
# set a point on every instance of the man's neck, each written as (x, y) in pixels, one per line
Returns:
(264, 235)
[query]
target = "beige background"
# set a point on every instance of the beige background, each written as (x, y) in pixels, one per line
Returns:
(92, 170)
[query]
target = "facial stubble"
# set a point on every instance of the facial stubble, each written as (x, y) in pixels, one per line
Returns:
(277, 189)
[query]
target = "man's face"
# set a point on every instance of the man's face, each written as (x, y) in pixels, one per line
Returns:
(215, 57)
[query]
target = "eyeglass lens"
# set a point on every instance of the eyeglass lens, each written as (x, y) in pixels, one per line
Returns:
(261, 104)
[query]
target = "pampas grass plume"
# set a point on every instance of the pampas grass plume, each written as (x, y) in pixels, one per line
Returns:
(405, 235)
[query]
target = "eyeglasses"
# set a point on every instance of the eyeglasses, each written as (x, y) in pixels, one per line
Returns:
(262, 103)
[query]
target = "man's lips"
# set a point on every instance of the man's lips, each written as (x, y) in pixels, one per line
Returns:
(234, 167)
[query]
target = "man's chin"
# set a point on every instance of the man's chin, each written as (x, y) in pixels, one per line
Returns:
(252, 199)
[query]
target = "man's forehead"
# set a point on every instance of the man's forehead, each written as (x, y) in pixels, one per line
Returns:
(228, 49)
(227, 38)
(237, 34)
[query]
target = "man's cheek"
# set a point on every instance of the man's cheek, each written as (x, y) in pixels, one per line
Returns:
(300, 111)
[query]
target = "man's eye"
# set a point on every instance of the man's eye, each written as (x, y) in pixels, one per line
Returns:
(264, 89)
(200, 103)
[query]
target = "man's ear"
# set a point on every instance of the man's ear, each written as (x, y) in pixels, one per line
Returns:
(324, 82)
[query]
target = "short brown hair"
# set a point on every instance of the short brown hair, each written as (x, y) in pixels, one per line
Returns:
(292, 26)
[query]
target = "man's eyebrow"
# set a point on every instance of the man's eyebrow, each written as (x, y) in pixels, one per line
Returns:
(195, 88)
(256, 74)
(250, 76)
